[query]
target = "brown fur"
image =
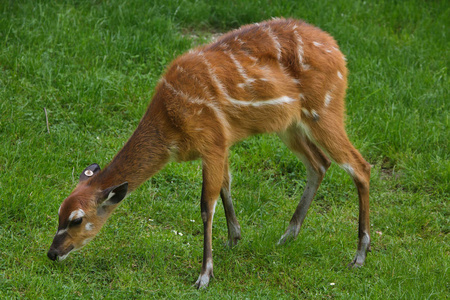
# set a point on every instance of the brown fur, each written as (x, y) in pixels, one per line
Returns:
(282, 76)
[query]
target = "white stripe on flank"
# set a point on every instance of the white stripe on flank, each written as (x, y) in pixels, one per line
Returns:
(219, 114)
(339, 74)
(327, 99)
(274, 38)
(213, 75)
(199, 82)
(277, 101)
(317, 44)
(240, 69)
(299, 47)
(87, 241)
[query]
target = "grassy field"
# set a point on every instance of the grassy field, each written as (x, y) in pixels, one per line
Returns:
(93, 66)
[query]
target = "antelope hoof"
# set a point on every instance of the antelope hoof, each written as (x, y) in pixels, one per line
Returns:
(232, 241)
(360, 257)
(290, 234)
(203, 281)
(358, 261)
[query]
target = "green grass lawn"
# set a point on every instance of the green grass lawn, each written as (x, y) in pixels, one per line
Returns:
(93, 66)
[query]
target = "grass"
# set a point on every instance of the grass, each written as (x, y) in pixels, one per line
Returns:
(93, 66)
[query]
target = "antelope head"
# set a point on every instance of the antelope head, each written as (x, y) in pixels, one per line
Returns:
(83, 213)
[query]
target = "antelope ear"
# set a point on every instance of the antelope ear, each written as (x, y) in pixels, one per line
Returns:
(114, 194)
(89, 172)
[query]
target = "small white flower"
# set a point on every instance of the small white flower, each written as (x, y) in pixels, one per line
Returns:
(192, 221)
(150, 220)
(332, 283)
(180, 234)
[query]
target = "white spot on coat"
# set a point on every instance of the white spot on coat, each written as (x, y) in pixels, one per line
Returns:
(327, 99)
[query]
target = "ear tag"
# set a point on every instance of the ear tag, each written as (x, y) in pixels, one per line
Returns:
(88, 173)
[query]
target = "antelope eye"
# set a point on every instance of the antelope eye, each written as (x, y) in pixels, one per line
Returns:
(76, 221)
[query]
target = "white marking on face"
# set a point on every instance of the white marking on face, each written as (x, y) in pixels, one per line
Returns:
(339, 74)
(327, 99)
(62, 231)
(296, 81)
(305, 67)
(277, 101)
(89, 226)
(79, 213)
(86, 241)
(63, 257)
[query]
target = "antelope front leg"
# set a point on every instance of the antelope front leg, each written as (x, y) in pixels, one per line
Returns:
(212, 182)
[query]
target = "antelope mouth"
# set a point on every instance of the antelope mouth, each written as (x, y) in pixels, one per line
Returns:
(54, 254)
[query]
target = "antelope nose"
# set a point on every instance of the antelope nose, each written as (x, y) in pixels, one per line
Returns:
(52, 254)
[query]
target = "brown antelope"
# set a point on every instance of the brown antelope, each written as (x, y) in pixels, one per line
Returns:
(282, 76)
